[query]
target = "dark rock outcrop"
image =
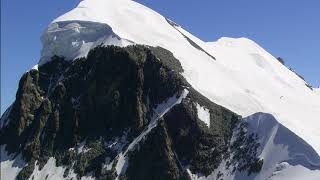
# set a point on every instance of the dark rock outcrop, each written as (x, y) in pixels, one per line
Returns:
(108, 98)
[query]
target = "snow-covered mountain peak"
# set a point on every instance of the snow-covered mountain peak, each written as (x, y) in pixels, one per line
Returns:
(235, 73)
(96, 10)
(140, 97)
(127, 18)
(229, 41)
(243, 44)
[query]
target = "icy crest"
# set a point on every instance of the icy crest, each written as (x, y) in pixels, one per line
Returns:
(72, 39)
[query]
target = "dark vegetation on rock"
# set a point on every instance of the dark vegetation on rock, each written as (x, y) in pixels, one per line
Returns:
(112, 94)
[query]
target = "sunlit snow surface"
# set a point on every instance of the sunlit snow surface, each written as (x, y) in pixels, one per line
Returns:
(74, 39)
(317, 91)
(285, 155)
(203, 115)
(244, 77)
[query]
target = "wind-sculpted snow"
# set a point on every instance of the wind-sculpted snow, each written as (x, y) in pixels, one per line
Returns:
(74, 39)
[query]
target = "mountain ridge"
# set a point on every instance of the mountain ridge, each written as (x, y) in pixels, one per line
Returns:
(107, 65)
(237, 60)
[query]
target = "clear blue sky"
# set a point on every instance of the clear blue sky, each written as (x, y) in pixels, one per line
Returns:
(286, 28)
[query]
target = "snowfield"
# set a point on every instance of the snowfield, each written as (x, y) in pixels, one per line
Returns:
(242, 77)
(317, 91)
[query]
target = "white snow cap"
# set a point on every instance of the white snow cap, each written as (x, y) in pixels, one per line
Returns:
(244, 77)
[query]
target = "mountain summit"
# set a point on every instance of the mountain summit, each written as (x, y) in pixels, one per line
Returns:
(242, 76)
(121, 92)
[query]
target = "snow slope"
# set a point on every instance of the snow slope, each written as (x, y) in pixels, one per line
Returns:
(285, 155)
(244, 77)
(10, 165)
(52, 172)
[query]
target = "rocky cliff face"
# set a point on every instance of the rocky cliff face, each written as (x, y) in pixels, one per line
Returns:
(122, 113)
